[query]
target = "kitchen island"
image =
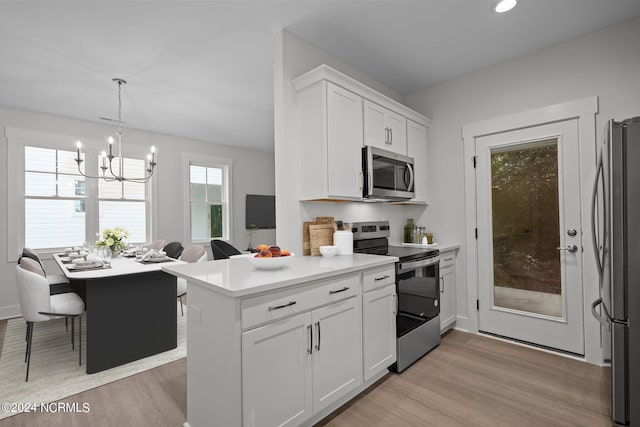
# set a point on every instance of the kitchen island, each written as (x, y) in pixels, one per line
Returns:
(286, 346)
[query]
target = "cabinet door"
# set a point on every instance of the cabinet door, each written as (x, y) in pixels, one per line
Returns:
(344, 143)
(397, 126)
(447, 296)
(417, 148)
(378, 330)
(337, 352)
(375, 128)
(277, 374)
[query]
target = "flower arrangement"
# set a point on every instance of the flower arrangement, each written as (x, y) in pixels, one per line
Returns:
(114, 239)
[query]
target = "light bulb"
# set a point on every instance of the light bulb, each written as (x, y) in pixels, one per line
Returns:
(79, 145)
(503, 6)
(110, 140)
(149, 157)
(103, 154)
(153, 148)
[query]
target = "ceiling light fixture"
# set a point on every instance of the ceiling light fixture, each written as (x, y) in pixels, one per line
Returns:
(151, 157)
(502, 6)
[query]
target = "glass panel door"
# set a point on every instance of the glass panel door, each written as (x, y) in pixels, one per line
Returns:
(526, 227)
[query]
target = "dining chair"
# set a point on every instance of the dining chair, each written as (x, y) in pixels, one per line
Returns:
(223, 250)
(173, 249)
(38, 305)
(58, 283)
(156, 244)
(192, 254)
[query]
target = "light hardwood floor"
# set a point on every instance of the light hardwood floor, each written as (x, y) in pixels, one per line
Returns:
(469, 380)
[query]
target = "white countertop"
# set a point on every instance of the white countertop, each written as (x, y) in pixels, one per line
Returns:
(236, 277)
(119, 267)
(442, 247)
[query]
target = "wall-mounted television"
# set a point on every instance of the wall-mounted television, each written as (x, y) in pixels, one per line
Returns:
(260, 211)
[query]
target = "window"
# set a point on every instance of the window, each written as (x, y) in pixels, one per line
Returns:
(123, 204)
(53, 206)
(54, 194)
(208, 197)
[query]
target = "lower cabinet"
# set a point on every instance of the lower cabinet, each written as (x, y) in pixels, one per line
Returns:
(296, 367)
(448, 313)
(378, 330)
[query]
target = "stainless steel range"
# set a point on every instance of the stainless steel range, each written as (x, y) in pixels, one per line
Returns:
(417, 286)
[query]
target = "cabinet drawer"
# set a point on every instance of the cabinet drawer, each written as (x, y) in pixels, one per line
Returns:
(378, 277)
(265, 308)
(447, 259)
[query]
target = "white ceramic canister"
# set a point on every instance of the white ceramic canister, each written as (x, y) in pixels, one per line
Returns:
(344, 241)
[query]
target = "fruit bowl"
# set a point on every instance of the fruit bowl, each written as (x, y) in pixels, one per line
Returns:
(272, 263)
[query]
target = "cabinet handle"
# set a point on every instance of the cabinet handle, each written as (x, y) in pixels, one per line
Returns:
(346, 288)
(390, 136)
(278, 307)
(318, 345)
(386, 276)
(310, 349)
(386, 136)
(448, 259)
(395, 304)
(360, 180)
(442, 287)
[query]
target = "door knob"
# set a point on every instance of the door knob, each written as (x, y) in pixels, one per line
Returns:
(572, 232)
(570, 248)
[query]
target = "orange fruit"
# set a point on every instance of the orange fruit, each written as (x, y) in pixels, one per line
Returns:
(264, 254)
(285, 252)
(262, 247)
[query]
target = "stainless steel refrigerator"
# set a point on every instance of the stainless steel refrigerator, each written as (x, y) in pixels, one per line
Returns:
(616, 231)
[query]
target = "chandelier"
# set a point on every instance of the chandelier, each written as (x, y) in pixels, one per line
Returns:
(119, 176)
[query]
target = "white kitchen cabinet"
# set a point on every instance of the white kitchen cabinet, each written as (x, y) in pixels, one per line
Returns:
(448, 313)
(280, 347)
(417, 148)
(337, 352)
(276, 384)
(378, 330)
(384, 128)
(337, 115)
(321, 364)
(331, 138)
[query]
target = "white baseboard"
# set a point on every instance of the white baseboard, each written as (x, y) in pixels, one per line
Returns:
(9, 311)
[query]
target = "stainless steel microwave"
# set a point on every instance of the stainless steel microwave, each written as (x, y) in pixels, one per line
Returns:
(387, 175)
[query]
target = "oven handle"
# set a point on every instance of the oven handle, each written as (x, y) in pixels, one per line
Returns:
(412, 265)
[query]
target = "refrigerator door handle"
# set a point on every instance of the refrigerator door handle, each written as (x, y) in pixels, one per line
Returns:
(594, 223)
(597, 315)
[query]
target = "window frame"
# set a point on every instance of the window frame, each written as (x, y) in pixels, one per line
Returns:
(191, 159)
(17, 140)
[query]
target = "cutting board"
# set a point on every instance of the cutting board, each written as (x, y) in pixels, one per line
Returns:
(320, 235)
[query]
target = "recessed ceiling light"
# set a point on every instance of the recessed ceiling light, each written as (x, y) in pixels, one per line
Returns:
(503, 6)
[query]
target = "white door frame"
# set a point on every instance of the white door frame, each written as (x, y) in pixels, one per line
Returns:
(584, 110)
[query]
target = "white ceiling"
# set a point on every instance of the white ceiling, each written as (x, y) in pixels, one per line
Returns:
(204, 70)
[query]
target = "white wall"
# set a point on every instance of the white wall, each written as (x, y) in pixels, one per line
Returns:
(253, 172)
(605, 63)
(294, 57)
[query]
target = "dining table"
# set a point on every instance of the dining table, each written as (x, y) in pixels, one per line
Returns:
(131, 309)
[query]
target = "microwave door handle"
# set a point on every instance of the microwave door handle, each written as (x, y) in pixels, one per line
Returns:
(370, 182)
(411, 177)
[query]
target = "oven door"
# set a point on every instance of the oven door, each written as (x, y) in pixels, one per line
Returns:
(418, 290)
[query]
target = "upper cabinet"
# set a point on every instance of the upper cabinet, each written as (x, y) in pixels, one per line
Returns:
(337, 117)
(330, 125)
(417, 148)
(384, 129)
